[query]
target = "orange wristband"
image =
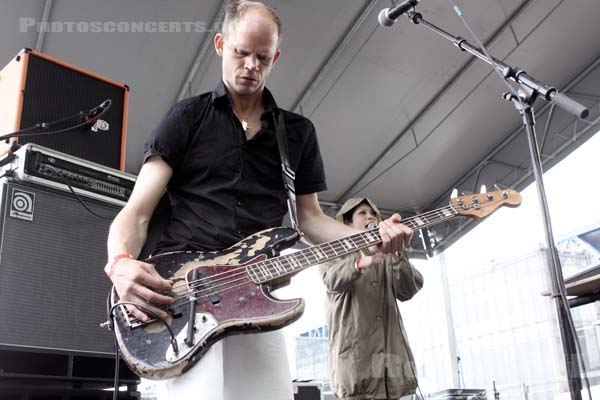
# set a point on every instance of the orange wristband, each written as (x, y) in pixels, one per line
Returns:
(109, 267)
(357, 264)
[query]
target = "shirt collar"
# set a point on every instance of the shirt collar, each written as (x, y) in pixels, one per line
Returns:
(220, 96)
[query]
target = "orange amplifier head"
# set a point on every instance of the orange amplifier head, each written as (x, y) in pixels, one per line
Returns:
(37, 88)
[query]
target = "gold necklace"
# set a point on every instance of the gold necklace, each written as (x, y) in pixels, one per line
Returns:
(245, 124)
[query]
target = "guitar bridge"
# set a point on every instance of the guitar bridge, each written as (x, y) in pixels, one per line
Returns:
(133, 322)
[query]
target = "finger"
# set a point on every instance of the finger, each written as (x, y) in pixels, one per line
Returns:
(138, 293)
(395, 218)
(139, 290)
(153, 278)
(395, 234)
(408, 238)
(376, 259)
(142, 313)
(372, 250)
(139, 271)
(148, 277)
(144, 299)
(385, 237)
(150, 296)
(152, 309)
(402, 237)
(403, 234)
(136, 313)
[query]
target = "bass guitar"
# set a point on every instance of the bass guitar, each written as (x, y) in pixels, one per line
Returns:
(227, 292)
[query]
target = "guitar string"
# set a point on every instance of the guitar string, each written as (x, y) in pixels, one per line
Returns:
(198, 299)
(408, 222)
(220, 284)
(284, 261)
(246, 280)
(225, 286)
(243, 275)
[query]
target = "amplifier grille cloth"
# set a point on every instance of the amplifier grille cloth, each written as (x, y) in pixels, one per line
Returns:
(52, 286)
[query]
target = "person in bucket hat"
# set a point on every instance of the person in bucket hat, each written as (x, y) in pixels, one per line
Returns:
(369, 354)
(350, 204)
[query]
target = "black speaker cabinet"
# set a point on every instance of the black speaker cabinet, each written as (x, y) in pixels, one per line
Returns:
(52, 286)
(35, 88)
(308, 391)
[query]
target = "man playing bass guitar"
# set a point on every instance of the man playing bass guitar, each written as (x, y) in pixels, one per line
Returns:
(216, 156)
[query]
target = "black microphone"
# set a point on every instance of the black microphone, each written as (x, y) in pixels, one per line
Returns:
(389, 16)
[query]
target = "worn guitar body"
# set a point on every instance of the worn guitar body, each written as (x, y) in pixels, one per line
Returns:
(228, 308)
(227, 292)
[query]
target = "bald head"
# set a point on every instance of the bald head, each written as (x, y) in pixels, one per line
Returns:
(237, 9)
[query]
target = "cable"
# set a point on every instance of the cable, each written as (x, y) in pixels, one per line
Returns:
(83, 204)
(25, 132)
(116, 378)
(147, 310)
(110, 325)
(484, 49)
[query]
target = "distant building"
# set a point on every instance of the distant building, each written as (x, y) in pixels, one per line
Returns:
(474, 325)
(311, 355)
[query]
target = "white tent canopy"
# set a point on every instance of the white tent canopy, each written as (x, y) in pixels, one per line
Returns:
(402, 115)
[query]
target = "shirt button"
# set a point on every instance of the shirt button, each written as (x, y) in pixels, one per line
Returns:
(238, 203)
(378, 318)
(374, 283)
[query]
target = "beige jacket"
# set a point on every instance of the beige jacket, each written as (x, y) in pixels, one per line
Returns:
(369, 355)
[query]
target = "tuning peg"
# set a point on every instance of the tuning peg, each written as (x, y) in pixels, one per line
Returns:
(483, 189)
(454, 193)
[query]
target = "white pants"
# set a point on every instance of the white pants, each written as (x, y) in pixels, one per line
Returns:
(240, 367)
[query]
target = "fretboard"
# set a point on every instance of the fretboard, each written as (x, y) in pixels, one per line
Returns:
(279, 267)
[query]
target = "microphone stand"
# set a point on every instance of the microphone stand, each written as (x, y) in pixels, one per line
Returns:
(41, 128)
(530, 90)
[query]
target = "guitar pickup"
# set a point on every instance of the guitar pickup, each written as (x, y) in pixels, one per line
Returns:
(212, 294)
(199, 284)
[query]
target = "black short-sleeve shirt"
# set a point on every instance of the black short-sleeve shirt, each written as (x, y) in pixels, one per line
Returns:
(225, 187)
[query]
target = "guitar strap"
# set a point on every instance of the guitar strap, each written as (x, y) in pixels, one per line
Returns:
(286, 170)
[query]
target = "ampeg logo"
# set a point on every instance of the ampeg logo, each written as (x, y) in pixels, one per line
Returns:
(21, 205)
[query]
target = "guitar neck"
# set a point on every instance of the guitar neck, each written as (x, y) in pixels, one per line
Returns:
(282, 266)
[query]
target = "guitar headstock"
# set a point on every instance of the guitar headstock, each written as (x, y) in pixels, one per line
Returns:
(481, 205)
